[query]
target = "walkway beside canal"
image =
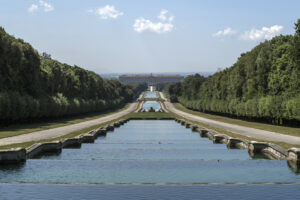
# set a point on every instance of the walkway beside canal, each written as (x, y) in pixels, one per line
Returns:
(64, 130)
(242, 130)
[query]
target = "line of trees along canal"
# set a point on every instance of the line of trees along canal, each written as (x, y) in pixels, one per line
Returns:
(264, 84)
(34, 87)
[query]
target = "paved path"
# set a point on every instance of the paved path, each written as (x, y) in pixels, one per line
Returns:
(242, 130)
(64, 130)
(140, 107)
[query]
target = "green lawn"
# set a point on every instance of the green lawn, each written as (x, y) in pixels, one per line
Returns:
(145, 115)
(19, 129)
(268, 127)
(70, 135)
(153, 115)
(234, 135)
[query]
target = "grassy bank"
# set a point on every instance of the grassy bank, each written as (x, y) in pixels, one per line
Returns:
(70, 135)
(149, 115)
(19, 129)
(268, 127)
(234, 135)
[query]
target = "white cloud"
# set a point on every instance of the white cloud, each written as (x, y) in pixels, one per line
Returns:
(144, 25)
(42, 5)
(163, 16)
(264, 33)
(33, 8)
(164, 26)
(107, 12)
(47, 7)
(226, 32)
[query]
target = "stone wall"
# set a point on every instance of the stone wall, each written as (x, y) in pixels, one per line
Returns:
(271, 150)
(19, 155)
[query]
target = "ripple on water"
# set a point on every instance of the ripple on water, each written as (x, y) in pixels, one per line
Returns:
(150, 151)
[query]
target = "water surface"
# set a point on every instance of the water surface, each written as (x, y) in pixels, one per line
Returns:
(148, 104)
(149, 94)
(143, 192)
(151, 151)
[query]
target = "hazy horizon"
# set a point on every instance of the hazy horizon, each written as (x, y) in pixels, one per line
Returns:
(111, 36)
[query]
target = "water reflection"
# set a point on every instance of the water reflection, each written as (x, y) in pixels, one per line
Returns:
(151, 94)
(155, 105)
(293, 166)
(152, 151)
(12, 167)
(258, 155)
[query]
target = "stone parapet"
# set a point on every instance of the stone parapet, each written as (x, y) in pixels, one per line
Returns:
(37, 149)
(294, 155)
(87, 138)
(12, 156)
(220, 138)
(71, 143)
(237, 143)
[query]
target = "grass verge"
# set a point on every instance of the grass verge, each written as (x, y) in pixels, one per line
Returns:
(20, 129)
(70, 135)
(268, 127)
(149, 115)
(234, 135)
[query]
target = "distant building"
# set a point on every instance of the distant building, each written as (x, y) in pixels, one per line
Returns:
(150, 79)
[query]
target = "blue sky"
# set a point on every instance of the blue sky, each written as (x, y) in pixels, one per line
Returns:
(135, 36)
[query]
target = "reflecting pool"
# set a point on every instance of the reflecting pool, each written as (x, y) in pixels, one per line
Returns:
(148, 104)
(149, 94)
(151, 151)
(150, 159)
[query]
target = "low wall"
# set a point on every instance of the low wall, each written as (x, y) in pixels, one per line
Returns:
(71, 143)
(271, 150)
(20, 155)
(220, 138)
(110, 127)
(237, 143)
(187, 125)
(12, 156)
(36, 150)
(294, 155)
(87, 138)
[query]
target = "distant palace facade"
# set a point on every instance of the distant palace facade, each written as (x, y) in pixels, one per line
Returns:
(150, 79)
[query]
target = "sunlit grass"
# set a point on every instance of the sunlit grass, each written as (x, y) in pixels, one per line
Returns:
(19, 129)
(263, 126)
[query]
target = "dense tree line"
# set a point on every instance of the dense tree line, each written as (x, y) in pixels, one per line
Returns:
(264, 84)
(137, 88)
(34, 86)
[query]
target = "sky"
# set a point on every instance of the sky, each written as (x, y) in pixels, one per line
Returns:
(143, 36)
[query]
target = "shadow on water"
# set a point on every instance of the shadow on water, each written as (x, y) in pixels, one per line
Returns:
(294, 167)
(12, 167)
(257, 156)
(75, 146)
(49, 153)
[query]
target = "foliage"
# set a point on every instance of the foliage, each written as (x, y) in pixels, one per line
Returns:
(34, 87)
(263, 84)
(137, 88)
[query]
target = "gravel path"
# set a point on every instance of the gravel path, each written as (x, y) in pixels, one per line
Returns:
(242, 130)
(64, 130)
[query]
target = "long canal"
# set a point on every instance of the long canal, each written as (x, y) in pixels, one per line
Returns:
(144, 152)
